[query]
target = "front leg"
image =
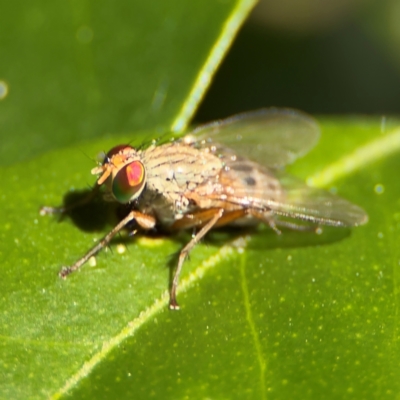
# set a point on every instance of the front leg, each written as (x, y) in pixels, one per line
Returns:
(145, 221)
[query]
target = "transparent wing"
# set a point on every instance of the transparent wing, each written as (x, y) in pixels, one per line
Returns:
(246, 184)
(316, 205)
(272, 137)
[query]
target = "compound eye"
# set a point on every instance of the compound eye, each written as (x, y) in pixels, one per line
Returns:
(129, 181)
(115, 150)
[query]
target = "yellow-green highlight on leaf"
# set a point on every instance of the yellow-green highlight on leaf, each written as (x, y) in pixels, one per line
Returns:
(262, 362)
(377, 149)
(217, 53)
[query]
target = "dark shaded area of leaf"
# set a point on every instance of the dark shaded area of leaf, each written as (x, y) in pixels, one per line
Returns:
(339, 71)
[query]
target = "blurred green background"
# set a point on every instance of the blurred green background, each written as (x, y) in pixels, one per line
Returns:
(329, 57)
(73, 71)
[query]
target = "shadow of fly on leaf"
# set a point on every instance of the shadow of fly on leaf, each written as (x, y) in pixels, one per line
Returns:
(226, 173)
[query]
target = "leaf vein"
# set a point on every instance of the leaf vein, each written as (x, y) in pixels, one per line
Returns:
(130, 329)
(262, 363)
(375, 150)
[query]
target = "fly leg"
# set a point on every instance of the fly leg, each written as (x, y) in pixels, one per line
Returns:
(145, 221)
(45, 210)
(268, 219)
(298, 227)
(213, 215)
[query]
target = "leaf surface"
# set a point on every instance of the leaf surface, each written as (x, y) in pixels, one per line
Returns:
(298, 315)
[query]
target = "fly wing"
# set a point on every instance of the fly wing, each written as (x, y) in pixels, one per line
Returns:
(243, 184)
(272, 137)
(253, 146)
(315, 205)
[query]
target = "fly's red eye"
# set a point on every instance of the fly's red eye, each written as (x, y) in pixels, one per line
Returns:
(129, 182)
(115, 150)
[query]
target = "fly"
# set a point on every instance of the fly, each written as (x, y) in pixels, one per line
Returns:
(228, 172)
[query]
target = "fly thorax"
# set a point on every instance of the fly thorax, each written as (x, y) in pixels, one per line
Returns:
(175, 168)
(172, 171)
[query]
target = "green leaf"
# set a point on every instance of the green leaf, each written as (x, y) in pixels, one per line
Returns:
(77, 70)
(292, 316)
(298, 315)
